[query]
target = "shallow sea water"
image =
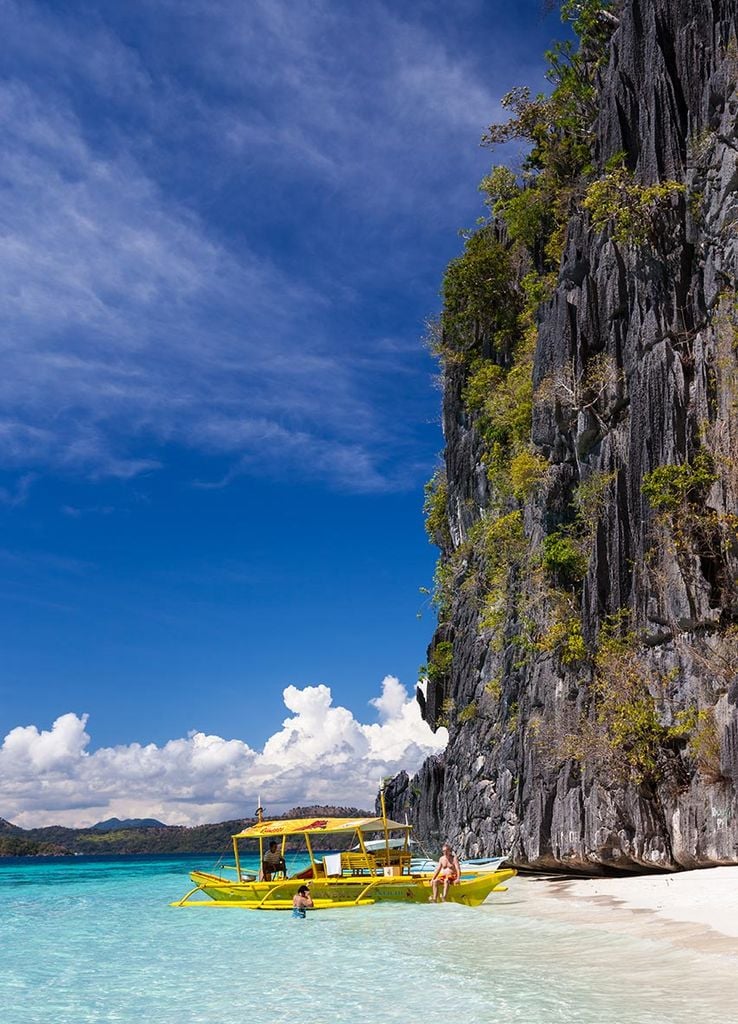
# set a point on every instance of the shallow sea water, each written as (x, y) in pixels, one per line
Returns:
(88, 940)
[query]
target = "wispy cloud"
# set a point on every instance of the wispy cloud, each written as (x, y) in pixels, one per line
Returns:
(377, 105)
(76, 511)
(43, 561)
(198, 238)
(321, 754)
(17, 493)
(126, 326)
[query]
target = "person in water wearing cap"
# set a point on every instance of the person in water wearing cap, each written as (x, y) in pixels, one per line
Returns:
(447, 871)
(301, 902)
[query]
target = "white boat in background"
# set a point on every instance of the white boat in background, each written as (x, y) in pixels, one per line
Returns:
(477, 866)
(372, 845)
(425, 865)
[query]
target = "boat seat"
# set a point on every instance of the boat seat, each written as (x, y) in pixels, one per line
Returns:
(396, 859)
(357, 863)
(273, 875)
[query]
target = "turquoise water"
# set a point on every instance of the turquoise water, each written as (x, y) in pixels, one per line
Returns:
(88, 940)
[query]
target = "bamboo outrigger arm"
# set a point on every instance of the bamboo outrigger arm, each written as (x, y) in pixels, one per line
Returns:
(370, 885)
(272, 890)
(181, 903)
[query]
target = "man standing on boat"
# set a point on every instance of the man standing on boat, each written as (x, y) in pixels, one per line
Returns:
(273, 862)
(447, 871)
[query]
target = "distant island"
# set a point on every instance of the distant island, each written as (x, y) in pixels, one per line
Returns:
(142, 835)
(115, 824)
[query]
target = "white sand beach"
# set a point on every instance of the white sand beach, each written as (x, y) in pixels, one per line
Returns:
(692, 909)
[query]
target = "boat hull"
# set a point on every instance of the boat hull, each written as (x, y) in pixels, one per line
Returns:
(346, 891)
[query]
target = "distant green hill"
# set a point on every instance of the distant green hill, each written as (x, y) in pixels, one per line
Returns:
(16, 846)
(115, 824)
(145, 835)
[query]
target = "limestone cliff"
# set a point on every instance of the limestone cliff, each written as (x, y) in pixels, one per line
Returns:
(586, 657)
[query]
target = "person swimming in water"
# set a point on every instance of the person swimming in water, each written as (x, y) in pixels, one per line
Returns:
(301, 902)
(447, 871)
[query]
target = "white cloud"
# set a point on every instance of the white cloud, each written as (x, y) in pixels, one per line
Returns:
(322, 754)
(122, 316)
(46, 751)
(17, 494)
(127, 326)
(376, 105)
(198, 237)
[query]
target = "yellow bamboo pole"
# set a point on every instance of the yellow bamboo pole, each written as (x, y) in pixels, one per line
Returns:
(384, 820)
(312, 857)
(183, 901)
(274, 888)
(369, 861)
(370, 885)
(238, 861)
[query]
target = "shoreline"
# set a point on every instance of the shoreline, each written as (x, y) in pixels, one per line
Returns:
(695, 910)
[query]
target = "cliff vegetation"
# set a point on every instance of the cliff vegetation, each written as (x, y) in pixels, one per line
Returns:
(586, 655)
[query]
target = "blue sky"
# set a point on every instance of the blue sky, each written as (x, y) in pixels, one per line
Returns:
(223, 227)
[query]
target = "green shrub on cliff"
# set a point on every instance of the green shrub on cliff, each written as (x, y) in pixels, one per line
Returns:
(483, 381)
(501, 546)
(488, 332)
(435, 509)
(448, 708)
(669, 488)
(439, 662)
(564, 558)
(564, 638)
(502, 541)
(559, 131)
(467, 714)
(443, 582)
(704, 746)
(504, 402)
(523, 209)
(590, 498)
(631, 735)
(593, 22)
(479, 298)
(537, 288)
(526, 471)
(500, 186)
(631, 209)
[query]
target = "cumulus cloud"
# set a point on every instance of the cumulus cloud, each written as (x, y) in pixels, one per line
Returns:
(322, 754)
(48, 750)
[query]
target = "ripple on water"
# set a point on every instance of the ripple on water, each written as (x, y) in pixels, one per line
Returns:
(97, 942)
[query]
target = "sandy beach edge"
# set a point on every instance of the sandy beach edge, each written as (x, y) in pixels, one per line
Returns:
(695, 910)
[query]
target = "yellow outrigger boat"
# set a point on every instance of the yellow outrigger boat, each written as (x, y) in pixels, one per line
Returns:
(373, 871)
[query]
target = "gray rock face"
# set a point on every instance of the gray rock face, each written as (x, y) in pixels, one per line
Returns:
(663, 320)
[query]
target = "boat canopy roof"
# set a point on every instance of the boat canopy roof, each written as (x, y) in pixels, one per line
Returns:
(308, 826)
